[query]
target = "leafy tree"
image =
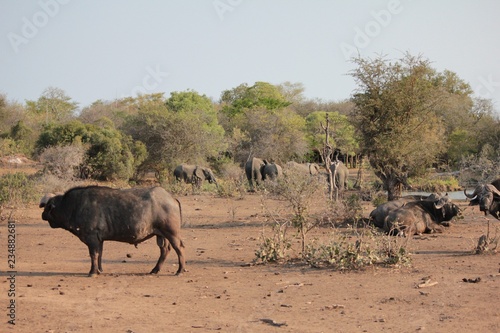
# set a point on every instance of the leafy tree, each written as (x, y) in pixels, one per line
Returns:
(53, 105)
(17, 132)
(110, 154)
(24, 137)
(181, 129)
(342, 133)
(292, 92)
(397, 116)
(260, 95)
(100, 112)
(259, 123)
(307, 106)
(485, 127)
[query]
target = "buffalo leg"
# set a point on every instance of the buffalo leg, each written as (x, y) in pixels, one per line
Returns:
(99, 258)
(177, 244)
(95, 251)
(164, 246)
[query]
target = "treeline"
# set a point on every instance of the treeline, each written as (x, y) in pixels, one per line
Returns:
(125, 138)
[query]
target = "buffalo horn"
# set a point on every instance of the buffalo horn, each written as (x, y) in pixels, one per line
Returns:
(45, 199)
(476, 192)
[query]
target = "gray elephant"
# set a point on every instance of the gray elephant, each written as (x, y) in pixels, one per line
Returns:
(194, 174)
(253, 170)
(271, 171)
(340, 174)
(306, 168)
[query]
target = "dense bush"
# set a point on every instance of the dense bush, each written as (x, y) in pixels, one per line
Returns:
(110, 154)
(63, 161)
(17, 189)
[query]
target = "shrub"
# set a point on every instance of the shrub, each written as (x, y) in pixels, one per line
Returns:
(354, 252)
(274, 248)
(232, 181)
(436, 184)
(300, 190)
(110, 154)
(17, 189)
(63, 161)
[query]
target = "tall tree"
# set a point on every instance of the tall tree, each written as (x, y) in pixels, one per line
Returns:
(260, 95)
(181, 129)
(54, 105)
(341, 132)
(260, 123)
(397, 116)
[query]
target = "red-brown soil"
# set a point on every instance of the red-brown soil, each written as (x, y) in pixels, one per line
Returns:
(221, 292)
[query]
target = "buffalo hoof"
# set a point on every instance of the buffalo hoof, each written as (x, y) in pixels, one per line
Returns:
(94, 274)
(180, 271)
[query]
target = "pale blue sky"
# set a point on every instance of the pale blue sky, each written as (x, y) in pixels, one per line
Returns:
(110, 49)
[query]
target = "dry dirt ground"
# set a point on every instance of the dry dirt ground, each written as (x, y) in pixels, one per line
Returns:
(221, 292)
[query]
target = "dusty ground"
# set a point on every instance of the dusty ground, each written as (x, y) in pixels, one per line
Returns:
(220, 292)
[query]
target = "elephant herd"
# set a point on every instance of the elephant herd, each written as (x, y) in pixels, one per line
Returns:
(258, 170)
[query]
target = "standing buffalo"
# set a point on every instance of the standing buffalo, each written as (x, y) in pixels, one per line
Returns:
(96, 214)
(417, 217)
(487, 197)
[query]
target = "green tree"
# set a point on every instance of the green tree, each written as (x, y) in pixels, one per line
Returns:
(18, 133)
(181, 129)
(259, 122)
(342, 132)
(260, 95)
(110, 154)
(397, 116)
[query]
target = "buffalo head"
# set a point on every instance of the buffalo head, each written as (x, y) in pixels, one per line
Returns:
(484, 196)
(48, 202)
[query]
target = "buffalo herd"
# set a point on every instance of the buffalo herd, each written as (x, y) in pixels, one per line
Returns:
(96, 214)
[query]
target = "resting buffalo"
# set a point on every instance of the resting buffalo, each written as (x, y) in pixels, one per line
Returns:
(379, 215)
(96, 214)
(487, 197)
(417, 217)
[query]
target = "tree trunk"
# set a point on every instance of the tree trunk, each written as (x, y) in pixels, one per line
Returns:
(392, 184)
(393, 187)
(359, 179)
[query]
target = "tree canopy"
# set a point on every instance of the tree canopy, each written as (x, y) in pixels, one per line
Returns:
(260, 123)
(181, 129)
(404, 116)
(399, 114)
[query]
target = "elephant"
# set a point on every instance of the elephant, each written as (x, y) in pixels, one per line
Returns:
(194, 174)
(271, 171)
(340, 174)
(253, 170)
(306, 168)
